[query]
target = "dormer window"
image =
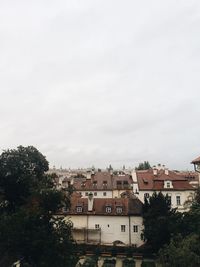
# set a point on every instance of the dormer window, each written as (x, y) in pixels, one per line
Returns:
(125, 183)
(94, 184)
(79, 209)
(83, 184)
(119, 210)
(105, 184)
(108, 209)
(119, 185)
(168, 184)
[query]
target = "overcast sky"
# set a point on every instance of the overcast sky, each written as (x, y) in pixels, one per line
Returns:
(101, 82)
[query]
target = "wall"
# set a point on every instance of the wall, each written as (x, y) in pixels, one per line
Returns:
(183, 195)
(110, 228)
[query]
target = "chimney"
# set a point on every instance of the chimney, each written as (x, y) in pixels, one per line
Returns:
(93, 172)
(88, 175)
(166, 171)
(159, 167)
(155, 171)
(134, 176)
(72, 181)
(90, 202)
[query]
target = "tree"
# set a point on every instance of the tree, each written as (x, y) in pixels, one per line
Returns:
(160, 221)
(184, 252)
(184, 249)
(29, 229)
(143, 166)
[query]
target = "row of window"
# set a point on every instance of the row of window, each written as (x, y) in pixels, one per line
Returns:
(108, 209)
(178, 199)
(123, 228)
(95, 194)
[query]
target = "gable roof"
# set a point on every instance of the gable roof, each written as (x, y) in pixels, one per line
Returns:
(148, 181)
(130, 206)
(102, 181)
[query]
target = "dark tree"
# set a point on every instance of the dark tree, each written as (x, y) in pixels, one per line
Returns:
(181, 251)
(29, 229)
(191, 219)
(184, 248)
(143, 166)
(160, 221)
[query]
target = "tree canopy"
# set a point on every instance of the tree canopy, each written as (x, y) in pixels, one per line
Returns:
(29, 229)
(184, 247)
(143, 166)
(160, 220)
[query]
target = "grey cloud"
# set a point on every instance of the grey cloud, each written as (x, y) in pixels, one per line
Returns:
(100, 82)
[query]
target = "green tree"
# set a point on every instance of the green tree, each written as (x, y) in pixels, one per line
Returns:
(160, 221)
(181, 252)
(143, 166)
(184, 249)
(29, 229)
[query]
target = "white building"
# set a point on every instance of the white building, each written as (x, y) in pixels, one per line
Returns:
(106, 221)
(179, 190)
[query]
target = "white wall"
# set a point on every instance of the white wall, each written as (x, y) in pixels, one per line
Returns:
(136, 237)
(184, 196)
(110, 228)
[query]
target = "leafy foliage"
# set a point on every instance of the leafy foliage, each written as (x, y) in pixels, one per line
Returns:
(29, 229)
(128, 263)
(143, 166)
(181, 251)
(184, 248)
(160, 221)
(90, 262)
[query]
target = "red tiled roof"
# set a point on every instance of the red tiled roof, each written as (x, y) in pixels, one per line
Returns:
(130, 206)
(148, 181)
(102, 181)
(190, 176)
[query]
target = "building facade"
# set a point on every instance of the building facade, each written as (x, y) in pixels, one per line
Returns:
(179, 190)
(106, 221)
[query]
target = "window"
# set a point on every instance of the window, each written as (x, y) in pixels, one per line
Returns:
(104, 194)
(105, 184)
(123, 228)
(169, 199)
(178, 200)
(79, 209)
(82, 184)
(94, 184)
(108, 209)
(135, 228)
(97, 226)
(168, 184)
(146, 195)
(119, 209)
(125, 183)
(86, 193)
(119, 185)
(95, 193)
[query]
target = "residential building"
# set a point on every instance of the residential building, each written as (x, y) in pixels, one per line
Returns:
(196, 163)
(179, 190)
(103, 184)
(106, 221)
